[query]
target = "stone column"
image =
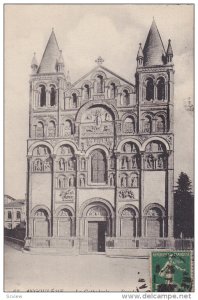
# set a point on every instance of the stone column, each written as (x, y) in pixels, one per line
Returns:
(117, 165)
(77, 217)
(141, 201)
(170, 195)
(53, 193)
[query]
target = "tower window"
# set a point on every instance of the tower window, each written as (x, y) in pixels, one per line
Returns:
(161, 89)
(99, 82)
(53, 96)
(42, 96)
(112, 90)
(160, 124)
(18, 215)
(74, 100)
(98, 167)
(125, 98)
(149, 89)
(39, 130)
(147, 127)
(86, 91)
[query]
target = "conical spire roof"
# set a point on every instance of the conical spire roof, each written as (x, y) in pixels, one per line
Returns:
(50, 56)
(153, 51)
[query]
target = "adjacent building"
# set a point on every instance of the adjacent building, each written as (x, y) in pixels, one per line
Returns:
(100, 153)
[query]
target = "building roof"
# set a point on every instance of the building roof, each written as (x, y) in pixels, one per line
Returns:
(14, 204)
(153, 49)
(50, 56)
(34, 60)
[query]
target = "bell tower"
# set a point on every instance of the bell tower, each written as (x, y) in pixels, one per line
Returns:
(155, 92)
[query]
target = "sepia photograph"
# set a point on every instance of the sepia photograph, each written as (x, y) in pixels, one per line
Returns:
(98, 148)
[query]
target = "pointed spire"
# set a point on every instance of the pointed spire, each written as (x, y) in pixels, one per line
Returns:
(34, 64)
(153, 51)
(169, 52)
(68, 78)
(140, 56)
(51, 55)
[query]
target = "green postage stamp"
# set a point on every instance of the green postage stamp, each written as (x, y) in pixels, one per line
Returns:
(171, 271)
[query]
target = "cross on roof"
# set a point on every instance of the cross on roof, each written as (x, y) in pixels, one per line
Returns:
(99, 60)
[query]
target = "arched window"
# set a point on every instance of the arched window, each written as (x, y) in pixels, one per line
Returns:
(129, 125)
(86, 91)
(68, 128)
(149, 89)
(99, 84)
(9, 214)
(39, 129)
(147, 124)
(53, 96)
(52, 129)
(98, 167)
(161, 89)
(125, 96)
(160, 124)
(112, 90)
(74, 100)
(42, 96)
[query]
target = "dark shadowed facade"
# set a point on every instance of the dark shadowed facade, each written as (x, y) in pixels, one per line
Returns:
(100, 154)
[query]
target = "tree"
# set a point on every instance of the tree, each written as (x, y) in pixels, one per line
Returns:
(183, 208)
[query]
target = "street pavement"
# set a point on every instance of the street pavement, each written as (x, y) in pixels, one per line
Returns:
(26, 272)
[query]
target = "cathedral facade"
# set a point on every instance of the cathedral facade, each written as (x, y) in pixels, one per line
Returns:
(100, 154)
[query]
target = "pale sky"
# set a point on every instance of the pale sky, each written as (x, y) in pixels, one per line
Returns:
(83, 33)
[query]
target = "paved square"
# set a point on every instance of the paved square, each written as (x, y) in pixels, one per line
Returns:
(72, 273)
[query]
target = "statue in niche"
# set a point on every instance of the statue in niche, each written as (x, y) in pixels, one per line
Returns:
(64, 182)
(45, 151)
(127, 148)
(134, 181)
(63, 150)
(134, 162)
(70, 164)
(38, 165)
(160, 148)
(47, 165)
(160, 162)
(123, 181)
(98, 119)
(61, 164)
(149, 147)
(124, 163)
(112, 180)
(71, 181)
(38, 152)
(150, 162)
(82, 181)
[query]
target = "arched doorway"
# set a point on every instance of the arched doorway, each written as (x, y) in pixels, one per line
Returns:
(41, 223)
(95, 225)
(154, 221)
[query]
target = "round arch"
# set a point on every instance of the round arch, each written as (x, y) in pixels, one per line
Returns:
(136, 142)
(88, 82)
(97, 147)
(154, 205)
(61, 207)
(158, 139)
(86, 205)
(88, 105)
(66, 142)
(120, 211)
(37, 207)
(40, 143)
(98, 73)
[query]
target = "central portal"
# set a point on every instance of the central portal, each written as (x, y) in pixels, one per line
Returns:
(96, 236)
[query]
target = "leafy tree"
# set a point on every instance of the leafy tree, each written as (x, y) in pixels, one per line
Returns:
(184, 207)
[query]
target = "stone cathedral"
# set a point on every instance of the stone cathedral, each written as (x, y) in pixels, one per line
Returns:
(100, 154)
